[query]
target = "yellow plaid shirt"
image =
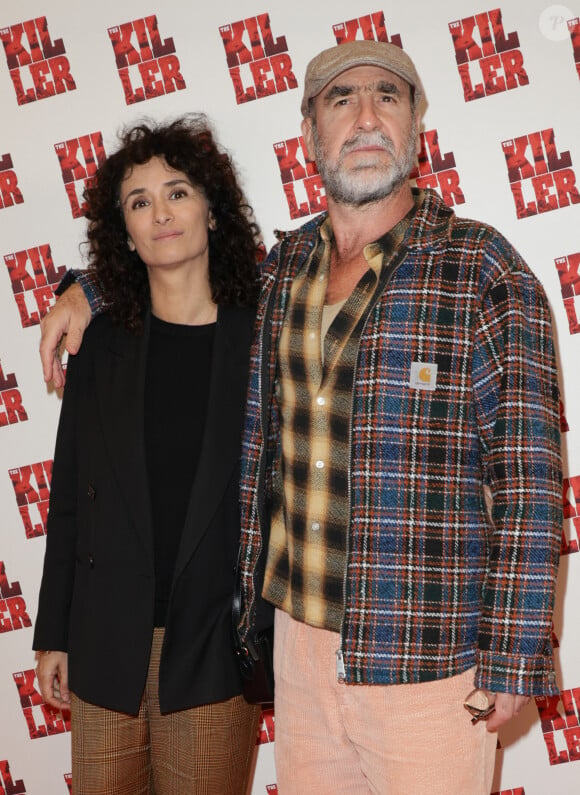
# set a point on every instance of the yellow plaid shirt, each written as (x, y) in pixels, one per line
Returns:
(307, 552)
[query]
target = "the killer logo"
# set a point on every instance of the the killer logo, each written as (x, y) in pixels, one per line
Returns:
(7, 785)
(9, 191)
(267, 729)
(42, 720)
(571, 529)
(569, 276)
(564, 427)
(13, 611)
(11, 408)
(301, 181)
(437, 171)
(79, 159)
(31, 485)
(516, 791)
(369, 27)
(32, 274)
(560, 725)
(259, 64)
(38, 66)
(574, 28)
(147, 64)
(540, 179)
(489, 60)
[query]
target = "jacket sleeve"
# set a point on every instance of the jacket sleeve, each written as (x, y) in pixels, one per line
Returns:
(516, 397)
(90, 285)
(51, 627)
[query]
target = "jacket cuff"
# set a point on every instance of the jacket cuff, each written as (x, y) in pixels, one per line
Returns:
(520, 675)
(89, 286)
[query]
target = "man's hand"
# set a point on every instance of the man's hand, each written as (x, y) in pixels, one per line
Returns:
(52, 675)
(506, 707)
(71, 315)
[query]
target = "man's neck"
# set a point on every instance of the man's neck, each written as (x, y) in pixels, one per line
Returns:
(354, 227)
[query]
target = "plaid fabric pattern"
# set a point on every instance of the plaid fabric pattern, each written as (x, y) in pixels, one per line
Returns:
(433, 587)
(88, 281)
(205, 750)
(307, 551)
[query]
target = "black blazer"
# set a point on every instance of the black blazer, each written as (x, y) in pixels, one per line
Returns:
(97, 593)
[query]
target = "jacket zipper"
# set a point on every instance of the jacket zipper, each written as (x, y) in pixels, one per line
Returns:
(262, 379)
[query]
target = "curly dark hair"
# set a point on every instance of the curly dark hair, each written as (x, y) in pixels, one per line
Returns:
(187, 145)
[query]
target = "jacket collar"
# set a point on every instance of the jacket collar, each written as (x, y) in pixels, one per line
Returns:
(430, 228)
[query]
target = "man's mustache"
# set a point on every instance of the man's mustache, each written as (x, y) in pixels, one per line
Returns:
(368, 139)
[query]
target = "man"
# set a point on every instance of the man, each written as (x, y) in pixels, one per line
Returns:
(402, 366)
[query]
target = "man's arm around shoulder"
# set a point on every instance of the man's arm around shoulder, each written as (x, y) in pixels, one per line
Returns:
(79, 300)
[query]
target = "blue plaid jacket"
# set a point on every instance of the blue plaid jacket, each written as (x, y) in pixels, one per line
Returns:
(435, 583)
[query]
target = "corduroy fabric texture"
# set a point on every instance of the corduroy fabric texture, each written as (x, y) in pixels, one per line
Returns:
(339, 739)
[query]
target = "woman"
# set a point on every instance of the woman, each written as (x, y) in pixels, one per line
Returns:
(135, 603)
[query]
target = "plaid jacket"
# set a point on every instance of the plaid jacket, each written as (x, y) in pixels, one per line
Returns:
(434, 584)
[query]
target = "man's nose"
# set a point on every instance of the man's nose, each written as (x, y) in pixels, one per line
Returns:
(367, 114)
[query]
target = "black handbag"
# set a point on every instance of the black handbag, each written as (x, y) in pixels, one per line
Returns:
(256, 659)
(256, 654)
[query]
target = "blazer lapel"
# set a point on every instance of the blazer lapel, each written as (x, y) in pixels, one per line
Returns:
(120, 385)
(221, 443)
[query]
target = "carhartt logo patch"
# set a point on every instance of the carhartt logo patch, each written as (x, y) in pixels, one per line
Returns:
(423, 376)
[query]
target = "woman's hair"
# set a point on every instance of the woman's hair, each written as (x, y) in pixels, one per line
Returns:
(187, 145)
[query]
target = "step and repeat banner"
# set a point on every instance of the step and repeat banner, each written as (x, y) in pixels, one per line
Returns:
(500, 143)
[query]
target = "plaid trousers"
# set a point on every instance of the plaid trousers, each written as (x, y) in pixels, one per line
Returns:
(200, 751)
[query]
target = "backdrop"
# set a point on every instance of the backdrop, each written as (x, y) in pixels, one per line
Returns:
(500, 143)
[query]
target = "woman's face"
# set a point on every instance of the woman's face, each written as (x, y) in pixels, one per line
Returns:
(167, 218)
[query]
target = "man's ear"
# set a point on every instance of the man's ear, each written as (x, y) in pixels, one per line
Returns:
(418, 141)
(307, 127)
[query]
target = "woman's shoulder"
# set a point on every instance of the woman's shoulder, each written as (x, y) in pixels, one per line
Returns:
(101, 331)
(236, 324)
(242, 317)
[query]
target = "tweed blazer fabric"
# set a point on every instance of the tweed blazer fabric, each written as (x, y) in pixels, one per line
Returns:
(434, 584)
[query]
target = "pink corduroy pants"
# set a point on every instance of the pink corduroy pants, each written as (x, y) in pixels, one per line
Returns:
(337, 739)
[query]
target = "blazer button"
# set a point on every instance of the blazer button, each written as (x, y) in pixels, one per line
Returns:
(91, 492)
(91, 562)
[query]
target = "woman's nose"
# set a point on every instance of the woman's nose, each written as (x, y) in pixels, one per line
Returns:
(162, 213)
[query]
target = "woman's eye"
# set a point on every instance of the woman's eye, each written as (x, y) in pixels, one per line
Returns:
(138, 203)
(178, 194)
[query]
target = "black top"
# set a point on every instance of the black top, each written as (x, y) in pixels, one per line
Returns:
(176, 394)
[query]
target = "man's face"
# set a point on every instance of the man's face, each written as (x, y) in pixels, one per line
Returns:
(363, 135)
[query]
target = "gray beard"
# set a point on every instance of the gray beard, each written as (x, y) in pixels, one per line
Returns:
(365, 185)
